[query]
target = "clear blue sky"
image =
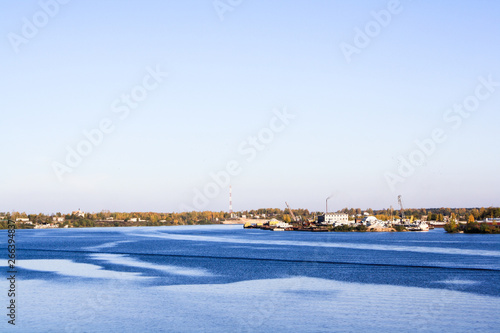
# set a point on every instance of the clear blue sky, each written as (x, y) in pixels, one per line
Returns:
(353, 119)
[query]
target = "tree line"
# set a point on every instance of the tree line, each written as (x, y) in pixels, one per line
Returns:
(107, 218)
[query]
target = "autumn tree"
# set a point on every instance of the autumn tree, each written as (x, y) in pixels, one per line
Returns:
(475, 212)
(471, 219)
(452, 225)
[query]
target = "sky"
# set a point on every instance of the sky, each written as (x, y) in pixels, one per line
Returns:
(162, 105)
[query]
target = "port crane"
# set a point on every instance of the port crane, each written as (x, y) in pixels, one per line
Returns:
(291, 213)
(400, 202)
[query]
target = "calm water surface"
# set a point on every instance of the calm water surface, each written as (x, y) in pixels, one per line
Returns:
(227, 279)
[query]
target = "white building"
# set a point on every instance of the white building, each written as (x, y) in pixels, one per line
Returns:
(284, 225)
(372, 221)
(78, 213)
(279, 224)
(58, 219)
(335, 218)
(22, 219)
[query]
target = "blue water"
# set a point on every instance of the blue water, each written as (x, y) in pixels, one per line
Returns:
(228, 279)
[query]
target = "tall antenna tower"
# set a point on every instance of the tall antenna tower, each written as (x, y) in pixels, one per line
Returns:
(230, 200)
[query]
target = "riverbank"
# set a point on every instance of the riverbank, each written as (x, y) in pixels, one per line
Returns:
(316, 228)
(472, 228)
(86, 223)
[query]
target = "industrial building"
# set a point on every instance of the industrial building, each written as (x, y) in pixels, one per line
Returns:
(334, 218)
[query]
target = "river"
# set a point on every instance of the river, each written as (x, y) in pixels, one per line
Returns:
(223, 278)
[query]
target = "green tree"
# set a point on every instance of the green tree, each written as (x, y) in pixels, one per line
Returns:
(451, 226)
